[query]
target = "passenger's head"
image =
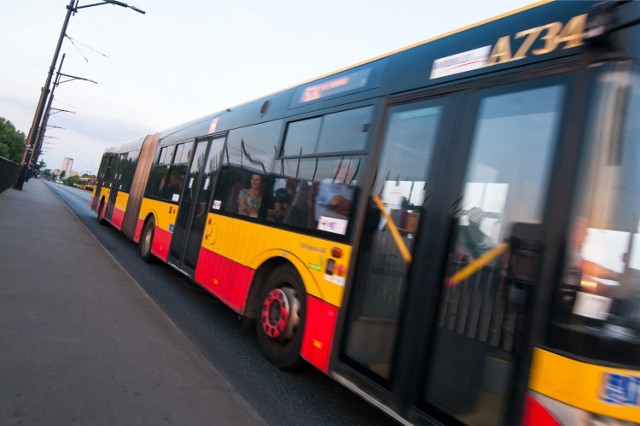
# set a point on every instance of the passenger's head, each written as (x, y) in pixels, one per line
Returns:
(256, 181)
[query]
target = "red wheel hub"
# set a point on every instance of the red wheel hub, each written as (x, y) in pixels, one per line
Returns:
(276, 313)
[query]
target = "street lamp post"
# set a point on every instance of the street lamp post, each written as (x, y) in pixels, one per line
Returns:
(32, 138)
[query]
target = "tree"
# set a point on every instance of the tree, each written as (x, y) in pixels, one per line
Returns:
(72, 180)
(12, 141)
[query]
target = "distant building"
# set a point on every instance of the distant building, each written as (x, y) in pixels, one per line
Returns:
(67, 166)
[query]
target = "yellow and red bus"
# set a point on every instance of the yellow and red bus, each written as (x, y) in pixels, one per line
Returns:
(86, 183)
(451, 230)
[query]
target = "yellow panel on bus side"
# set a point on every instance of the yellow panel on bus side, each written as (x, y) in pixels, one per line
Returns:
(121, 201)
(104, 194)
(164, 213)
(251, 244)
(579, 384)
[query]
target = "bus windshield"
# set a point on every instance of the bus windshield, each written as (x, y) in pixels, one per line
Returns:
(597, 306)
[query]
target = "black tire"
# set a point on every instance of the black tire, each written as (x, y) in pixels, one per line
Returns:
(280, 322)
(101, 219)
(247, 325)
(146, 239)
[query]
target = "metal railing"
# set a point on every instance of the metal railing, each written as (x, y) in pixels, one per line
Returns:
(8, 170)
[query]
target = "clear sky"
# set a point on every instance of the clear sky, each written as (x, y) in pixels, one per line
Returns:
(187, 58)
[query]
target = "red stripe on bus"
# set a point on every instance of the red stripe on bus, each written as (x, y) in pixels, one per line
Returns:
(117, 218)
(161, 243)
(138, 232)
(320, 326)
(226, 279)
(535, 414)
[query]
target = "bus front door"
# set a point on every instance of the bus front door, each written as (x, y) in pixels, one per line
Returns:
(193, 208)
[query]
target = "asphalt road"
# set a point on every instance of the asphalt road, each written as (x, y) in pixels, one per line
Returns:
(306, 397)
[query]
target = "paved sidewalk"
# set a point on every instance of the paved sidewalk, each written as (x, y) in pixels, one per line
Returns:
(81, 342)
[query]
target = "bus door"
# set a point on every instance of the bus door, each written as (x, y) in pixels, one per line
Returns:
(116, 183)
(396, 204)
(438, 314)
(193, 208)
(477, 348)
(101, 181)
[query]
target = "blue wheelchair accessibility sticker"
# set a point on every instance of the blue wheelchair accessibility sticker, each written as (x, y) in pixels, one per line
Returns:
(621, 390)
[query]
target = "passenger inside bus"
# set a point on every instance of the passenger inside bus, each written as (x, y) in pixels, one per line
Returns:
(283, 194)
(169, 190)
(250, 198)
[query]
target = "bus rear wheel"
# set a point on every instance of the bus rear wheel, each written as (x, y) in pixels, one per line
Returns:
(146, 239)
(101, 219)
(281, 321)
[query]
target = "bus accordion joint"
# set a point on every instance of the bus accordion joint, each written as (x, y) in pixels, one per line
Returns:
(393, 229)
(476, 265)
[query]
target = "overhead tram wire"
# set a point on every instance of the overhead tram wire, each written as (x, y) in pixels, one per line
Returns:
(130, 68)
(103, 78)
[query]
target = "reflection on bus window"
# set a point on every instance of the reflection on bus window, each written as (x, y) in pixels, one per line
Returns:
(334, 199)
(315, 193)
(338, 132)
(599, 288)
(166, 154)
(183, 153)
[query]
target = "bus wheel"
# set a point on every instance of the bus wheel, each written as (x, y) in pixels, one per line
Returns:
(101, 219)
(145, 241)
(281, 321)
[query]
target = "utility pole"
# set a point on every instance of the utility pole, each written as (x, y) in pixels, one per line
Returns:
(35, 152)
(32, 138)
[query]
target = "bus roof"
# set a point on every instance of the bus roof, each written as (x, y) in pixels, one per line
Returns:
(424, 64)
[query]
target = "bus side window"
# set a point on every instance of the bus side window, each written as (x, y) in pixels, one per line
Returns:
(315, 193)
(282, 195)
(250, 196)
(239, 192)
(248, 154)
(158, 175)
(170, 184)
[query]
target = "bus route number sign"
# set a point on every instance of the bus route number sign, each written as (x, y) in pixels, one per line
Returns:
(620, 389)
(510, 48)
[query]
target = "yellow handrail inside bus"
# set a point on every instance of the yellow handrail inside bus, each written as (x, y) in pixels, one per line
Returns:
(477, 264)
(393, 229)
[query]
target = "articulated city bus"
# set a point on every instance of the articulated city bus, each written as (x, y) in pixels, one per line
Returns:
(452, 230)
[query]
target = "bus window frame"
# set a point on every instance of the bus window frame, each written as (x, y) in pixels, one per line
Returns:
(160, 162)
(377, 107)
